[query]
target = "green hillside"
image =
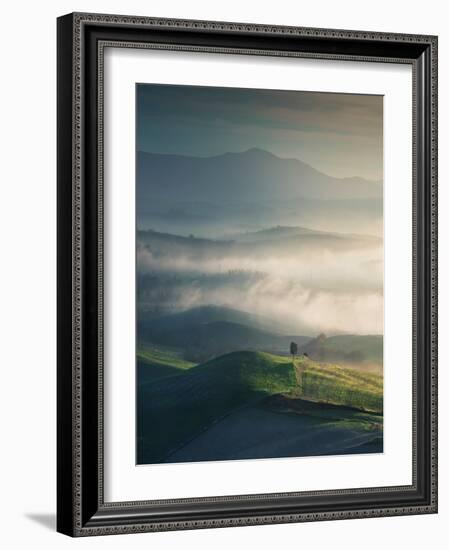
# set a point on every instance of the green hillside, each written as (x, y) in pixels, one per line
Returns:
(204, 394)
(154, 363)
(178, 405)
(328, 383)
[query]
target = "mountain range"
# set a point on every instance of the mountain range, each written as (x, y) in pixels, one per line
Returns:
(248, 191)
(254, 173)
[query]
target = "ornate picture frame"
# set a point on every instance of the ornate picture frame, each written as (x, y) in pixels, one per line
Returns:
(81, 507)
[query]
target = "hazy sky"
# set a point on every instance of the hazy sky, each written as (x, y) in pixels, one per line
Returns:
(338, 134)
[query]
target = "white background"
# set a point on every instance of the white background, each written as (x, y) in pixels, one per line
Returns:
(27, 299)
(123, 481)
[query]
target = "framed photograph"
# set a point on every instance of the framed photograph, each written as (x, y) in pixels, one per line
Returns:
(247, 274)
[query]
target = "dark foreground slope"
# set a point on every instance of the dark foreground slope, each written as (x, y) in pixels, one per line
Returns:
(265, 431)
(190, 413)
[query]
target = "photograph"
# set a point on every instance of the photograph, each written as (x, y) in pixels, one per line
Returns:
(247, 273)
(259, 273)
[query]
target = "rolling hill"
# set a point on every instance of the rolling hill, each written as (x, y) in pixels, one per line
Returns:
(205, 332)
(345, 348)
(277, 242)
(287, 233)
(202, 395)
(175, 409)
(154, 363)
(209, 331)
(210, 314)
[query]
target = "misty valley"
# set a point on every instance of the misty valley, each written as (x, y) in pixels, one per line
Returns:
(216, 376)
(259, 274)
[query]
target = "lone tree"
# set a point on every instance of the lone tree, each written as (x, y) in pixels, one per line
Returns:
(293, 349)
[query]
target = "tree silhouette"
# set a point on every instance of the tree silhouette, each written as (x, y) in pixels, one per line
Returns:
(293, 349)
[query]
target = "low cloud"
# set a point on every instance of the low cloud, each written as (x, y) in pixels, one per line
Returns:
(309, 291)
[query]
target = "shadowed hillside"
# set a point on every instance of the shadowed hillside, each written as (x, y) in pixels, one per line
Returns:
(209, 331)
(206, 394)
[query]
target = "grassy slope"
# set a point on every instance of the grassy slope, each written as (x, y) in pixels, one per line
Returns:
(204, 394)
(154, 363)
(338, 385)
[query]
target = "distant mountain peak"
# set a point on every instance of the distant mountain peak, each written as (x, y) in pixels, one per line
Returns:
(280, 231)
(254, 153)
(250, 174)
(282, 228)
(259, 152)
